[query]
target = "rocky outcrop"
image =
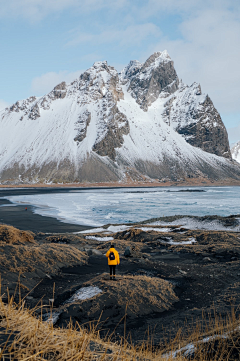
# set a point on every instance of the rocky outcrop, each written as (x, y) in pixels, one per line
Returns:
(193, 115)
(81, 126)
(22, 105)
(145, 82)
(101, 84)
(113, 137)
(34, 112)
(60, 91)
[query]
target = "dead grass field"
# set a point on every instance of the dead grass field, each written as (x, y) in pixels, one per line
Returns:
(29, 338)
(131, 297)
(140, 294)
(47, 257)
(12, 235)
(37, 340)
(213, 337)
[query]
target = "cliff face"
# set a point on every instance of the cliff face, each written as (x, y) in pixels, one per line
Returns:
(193, 115)
(140, 124)
(147, 81)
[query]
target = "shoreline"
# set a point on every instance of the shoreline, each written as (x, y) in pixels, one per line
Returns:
(15, 214)
(26, 220)
(195, 182)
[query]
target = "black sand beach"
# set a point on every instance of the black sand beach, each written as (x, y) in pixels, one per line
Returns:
(19, 217)
(194, 277)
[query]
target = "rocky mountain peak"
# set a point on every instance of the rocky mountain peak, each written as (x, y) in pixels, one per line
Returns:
(193, 115)
(130, 70)
(101, 80)
(156, 58)
(106, 126)
(100, 64)
(146, 82)
(101, 84)
(59, 91)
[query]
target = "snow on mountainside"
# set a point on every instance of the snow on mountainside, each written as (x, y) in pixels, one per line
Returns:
(106, 126)
(193, 115)
(235, 151)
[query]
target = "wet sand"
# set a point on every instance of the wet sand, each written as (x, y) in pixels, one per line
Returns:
(19, 217)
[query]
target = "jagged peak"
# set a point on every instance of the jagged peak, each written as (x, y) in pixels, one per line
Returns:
(97, 119)
(153, 61)
(156, 59)
(195, 88)
(100, 64)
(100, 70)
(131, 69)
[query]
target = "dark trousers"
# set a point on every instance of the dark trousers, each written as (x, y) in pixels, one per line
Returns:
(112, 269)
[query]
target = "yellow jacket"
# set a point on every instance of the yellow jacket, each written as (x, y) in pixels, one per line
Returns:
(116, 260)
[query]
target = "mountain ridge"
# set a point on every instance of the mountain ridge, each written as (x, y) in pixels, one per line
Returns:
(141, 124)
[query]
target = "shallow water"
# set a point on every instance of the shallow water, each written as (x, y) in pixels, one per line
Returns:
(96, 207)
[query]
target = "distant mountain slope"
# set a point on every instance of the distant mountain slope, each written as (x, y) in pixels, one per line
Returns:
(104, 126)
(235, 151)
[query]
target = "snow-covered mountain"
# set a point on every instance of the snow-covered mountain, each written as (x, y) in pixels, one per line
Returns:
(142, 123)
(235, 151)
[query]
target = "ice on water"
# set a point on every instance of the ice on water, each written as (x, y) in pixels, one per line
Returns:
(148, 229)
(100, 239)
(174, 243)
(107, 230)
(97, 207)
(191, 223)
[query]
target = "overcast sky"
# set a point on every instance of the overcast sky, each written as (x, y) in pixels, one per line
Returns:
(44, 42)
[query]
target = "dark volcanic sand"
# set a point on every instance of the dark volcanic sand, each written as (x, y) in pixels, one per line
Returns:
(202, 285)
(18, 217)
(206, 273)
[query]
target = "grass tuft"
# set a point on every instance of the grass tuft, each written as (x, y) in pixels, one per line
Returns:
(26, 337)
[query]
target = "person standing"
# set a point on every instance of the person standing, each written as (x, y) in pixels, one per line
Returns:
(113, 261)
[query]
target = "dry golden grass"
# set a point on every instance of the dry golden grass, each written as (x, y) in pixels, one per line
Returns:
(11, 235)
(48, 257)
(212, 242)
(142, 295)
(32, 339)
(37, 340)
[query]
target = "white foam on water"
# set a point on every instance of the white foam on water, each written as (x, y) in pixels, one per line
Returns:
(149, 229)
(115, 229)
(94, 230)
(95, 207)
(108, 230)
(191, 223)
(100, 239)
(171, 242)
